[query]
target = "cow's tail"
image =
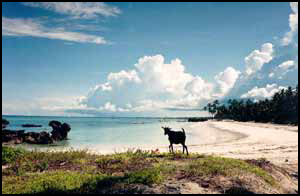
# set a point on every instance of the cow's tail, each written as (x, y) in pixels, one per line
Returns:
(183, 131)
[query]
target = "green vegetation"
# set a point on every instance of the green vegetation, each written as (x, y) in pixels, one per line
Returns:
(212, 166)
(81, 172)
(49, 182)
(198, 119)
(282, 108)
(9, 155)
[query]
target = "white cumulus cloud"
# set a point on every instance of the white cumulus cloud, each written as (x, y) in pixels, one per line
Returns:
(109, 107)
(226, 80)
(256, 59)
(152, 85)
(159, 76)
(156, 85)
(123, 76)
(263, 92)
(293, 23)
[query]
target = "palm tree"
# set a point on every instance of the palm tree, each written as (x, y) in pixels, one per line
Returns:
(281, 108)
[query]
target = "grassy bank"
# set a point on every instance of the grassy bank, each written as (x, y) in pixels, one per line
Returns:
(130, 172)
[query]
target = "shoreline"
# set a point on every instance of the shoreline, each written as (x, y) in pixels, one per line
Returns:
(226, 138)
(243, 140)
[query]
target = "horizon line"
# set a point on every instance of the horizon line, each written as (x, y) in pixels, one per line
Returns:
(179, 117)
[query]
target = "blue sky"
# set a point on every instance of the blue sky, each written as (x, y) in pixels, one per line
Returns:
(119, 58)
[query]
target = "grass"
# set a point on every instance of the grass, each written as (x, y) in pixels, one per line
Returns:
(75, 182)
(50, 182)
(212, 166)
(81, 172)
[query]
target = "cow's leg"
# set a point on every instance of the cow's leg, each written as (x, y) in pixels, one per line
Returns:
(187, 152)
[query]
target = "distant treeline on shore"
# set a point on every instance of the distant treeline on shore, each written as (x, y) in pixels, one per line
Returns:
(199, 119)
(282, 108)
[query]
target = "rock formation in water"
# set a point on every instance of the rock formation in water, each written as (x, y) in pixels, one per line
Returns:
(13, 137)
(30, 125)
(60, 132)
(38, 138)
(4, 123)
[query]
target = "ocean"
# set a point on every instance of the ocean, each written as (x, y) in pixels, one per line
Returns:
(108, 135)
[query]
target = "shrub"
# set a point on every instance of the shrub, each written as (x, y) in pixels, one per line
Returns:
(10, 154)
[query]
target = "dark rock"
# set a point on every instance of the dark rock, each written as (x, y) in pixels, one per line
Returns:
(55, 124)
(60, 131)
(238, 190)
(15, 140)
(66, 129)
(205, 184)
(18, 137)
(38, 138)
(14, 137)
(18, 140)
(45, 138)
(13, 131)
(31, 125)
(4, 123)
(31, 137)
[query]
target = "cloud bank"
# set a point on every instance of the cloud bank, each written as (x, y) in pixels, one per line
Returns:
(155, 85)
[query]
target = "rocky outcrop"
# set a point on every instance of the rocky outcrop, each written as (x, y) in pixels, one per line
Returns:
(19, 137)
(38, 138)
(60, 132)
(13, 137)
(4, 123)
(30, 125)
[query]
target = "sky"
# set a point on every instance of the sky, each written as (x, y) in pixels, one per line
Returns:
(143, 59)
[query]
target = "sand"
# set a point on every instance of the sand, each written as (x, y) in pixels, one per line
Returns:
(276, 143)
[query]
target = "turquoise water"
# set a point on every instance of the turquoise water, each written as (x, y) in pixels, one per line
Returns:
(106, 134)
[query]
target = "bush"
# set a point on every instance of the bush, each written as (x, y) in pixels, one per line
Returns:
(10, 155)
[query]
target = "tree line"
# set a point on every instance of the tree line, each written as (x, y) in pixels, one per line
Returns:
(282, 108)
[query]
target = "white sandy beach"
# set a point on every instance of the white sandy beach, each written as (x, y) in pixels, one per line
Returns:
(276, 143)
